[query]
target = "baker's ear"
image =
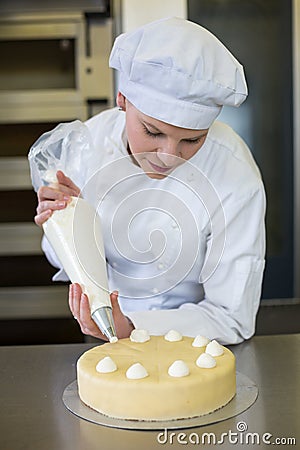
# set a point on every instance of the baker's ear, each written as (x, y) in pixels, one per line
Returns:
(121, 101)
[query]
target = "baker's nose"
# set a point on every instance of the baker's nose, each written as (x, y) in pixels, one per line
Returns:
(168, 154)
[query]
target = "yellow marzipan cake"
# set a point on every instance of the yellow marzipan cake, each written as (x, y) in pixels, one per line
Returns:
(157, 396)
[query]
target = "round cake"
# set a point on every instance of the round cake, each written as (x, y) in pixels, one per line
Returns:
(157, 377)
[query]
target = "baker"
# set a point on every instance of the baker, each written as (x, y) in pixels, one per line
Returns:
(180, 196)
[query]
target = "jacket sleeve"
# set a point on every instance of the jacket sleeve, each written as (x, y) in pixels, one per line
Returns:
(232, 293)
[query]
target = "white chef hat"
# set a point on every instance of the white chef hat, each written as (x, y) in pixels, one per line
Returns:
(178, 72)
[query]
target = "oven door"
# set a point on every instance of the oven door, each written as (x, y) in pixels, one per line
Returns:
(56, 65)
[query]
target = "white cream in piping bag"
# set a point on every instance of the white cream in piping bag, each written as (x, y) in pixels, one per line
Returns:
(50, 176)
(76, 237)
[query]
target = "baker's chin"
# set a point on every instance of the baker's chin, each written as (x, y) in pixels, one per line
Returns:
(156, 176)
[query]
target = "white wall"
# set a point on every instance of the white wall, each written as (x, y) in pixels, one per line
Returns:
(138, 12)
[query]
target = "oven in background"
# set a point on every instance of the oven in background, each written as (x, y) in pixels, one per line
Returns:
(55, 70)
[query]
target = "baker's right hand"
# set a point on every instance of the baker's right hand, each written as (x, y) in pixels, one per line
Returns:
(80, 307)
(55, 196)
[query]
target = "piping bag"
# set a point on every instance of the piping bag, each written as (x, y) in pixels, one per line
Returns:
(75, 232)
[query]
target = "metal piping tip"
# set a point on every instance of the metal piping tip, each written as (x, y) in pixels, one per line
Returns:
(104, 320)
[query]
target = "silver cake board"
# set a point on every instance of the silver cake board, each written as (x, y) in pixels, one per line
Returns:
(246, 394)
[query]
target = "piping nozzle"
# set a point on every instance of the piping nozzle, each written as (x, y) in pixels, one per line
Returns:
(104, 320)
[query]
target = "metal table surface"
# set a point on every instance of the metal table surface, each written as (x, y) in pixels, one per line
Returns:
(33, 416)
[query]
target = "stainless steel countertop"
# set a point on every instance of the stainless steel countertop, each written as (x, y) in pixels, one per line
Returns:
(33, 416)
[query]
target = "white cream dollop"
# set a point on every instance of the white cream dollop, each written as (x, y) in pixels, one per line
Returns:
(136, 371)
(173, 336)
(106, 365)
(206, 361)
(139, 336)
(178, 369)
(200, 341)
(214, 348)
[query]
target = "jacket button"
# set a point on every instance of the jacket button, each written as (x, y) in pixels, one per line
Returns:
(109, 151)
(154, 291)
(160, 266)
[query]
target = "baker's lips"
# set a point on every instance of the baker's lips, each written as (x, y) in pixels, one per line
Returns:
(159, 168)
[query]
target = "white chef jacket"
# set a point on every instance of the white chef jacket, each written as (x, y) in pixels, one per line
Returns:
(185, 252)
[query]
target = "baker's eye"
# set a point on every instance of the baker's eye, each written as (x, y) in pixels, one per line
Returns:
(149, 133)
(194, 141)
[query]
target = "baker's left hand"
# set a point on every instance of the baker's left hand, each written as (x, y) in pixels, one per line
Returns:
(80, 308)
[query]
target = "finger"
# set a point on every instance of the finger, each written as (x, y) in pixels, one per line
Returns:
(46, 193)
(123, 324)
(65, 190)
(56, 191)
(66, 181)
(87, 324)
(114, 302)
(70, 298)
(40, 219)
(51, 205)
(51, 193)
(75, 300)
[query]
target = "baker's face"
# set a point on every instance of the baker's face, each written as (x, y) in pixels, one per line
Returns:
(158, 147)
